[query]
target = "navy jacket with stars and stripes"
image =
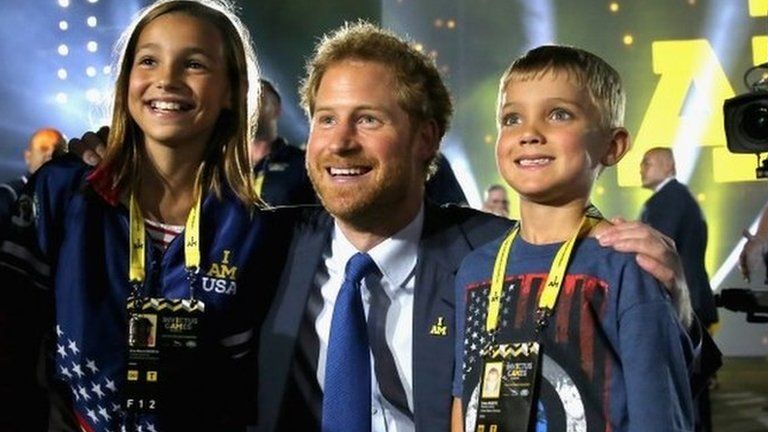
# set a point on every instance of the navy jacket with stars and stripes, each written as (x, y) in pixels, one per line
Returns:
(64, 264)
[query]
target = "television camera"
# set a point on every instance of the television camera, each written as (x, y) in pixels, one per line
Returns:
(746, 131)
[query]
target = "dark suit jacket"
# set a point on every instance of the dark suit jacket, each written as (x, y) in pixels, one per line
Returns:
(449, 234)
(285, 176)
(673, 211)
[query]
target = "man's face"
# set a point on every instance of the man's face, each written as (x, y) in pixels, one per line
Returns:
(365, 160)
(653, 169)
(37, 156)
(269, 112)
(497, 202)
(41, 149)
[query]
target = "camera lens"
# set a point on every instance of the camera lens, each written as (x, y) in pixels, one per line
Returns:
(754, 122)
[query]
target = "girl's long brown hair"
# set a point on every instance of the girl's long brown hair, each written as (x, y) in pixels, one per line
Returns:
(225, 160)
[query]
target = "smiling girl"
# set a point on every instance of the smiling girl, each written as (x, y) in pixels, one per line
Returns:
(152, 261)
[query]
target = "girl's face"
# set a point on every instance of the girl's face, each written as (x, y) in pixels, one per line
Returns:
(178, 82)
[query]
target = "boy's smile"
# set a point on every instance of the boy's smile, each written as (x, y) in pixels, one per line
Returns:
(550, 138)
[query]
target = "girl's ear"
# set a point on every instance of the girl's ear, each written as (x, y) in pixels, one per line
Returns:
(618, 146)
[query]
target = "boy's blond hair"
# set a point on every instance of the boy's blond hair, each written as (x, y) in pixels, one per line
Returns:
(419, 88)
(601, 80)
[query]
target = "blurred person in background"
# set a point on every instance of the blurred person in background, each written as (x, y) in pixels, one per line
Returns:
(280, 176)
(42, 146)
(674, 211)
(496, 200)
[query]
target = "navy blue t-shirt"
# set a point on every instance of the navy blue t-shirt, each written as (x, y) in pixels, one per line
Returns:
(614, 355)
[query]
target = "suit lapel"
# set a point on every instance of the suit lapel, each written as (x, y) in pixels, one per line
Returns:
(306, 253)
(279, 337)
(443, 246)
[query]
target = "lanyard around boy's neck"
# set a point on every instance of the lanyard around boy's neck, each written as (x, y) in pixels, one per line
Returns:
(137, 246)
(554, 279)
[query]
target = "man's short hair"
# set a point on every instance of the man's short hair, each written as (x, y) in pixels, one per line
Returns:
(602, 81)
(48, 138)
(420, 89)
(268, 87)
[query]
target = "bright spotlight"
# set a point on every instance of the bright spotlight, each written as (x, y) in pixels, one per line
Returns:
(92, 21)
(62, 73)
(61, 98)
(107, 70)
(64, 3)
(90, 71)
(92, 46)
(93, 1)
(63, 25)
(92, 95)
(63, 50)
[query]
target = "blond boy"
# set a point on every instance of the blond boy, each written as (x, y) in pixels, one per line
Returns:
(603, 345)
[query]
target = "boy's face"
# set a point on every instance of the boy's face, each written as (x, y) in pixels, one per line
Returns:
(551, 143)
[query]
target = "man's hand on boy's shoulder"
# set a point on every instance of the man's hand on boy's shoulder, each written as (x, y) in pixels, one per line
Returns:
(656, 254)
(91, 146)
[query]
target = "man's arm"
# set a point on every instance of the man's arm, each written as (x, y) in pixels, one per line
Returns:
(457, 417)
(755, 243)
(656, 254)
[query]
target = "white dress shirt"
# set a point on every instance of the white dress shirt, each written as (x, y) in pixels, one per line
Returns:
(663, 183)
(396, 259)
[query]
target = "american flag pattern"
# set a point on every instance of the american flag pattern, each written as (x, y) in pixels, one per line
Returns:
(70, 244)
(577, 359)
(94, 391)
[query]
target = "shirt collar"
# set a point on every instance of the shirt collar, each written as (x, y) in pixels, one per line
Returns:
(395, 257)
(663, 183)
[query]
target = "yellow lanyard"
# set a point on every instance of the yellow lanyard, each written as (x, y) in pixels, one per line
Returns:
(554, 278)
(137, 246)
(258, 183)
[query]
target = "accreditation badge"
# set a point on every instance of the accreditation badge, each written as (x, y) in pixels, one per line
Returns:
(160, 333)
(508, 382)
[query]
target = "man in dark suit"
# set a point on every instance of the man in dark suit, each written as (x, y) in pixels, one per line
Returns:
(378, 110)
(674, 211)
(279, 171)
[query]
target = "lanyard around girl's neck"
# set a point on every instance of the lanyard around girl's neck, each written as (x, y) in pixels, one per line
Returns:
(554, 279)
(137, 246)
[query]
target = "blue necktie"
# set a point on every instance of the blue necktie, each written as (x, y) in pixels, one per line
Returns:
(347, 389)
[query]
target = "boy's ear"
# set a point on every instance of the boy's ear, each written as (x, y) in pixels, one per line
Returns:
(618, 146)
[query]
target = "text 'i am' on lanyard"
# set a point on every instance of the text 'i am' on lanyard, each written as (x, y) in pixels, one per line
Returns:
(137, 246)
(554, 279)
